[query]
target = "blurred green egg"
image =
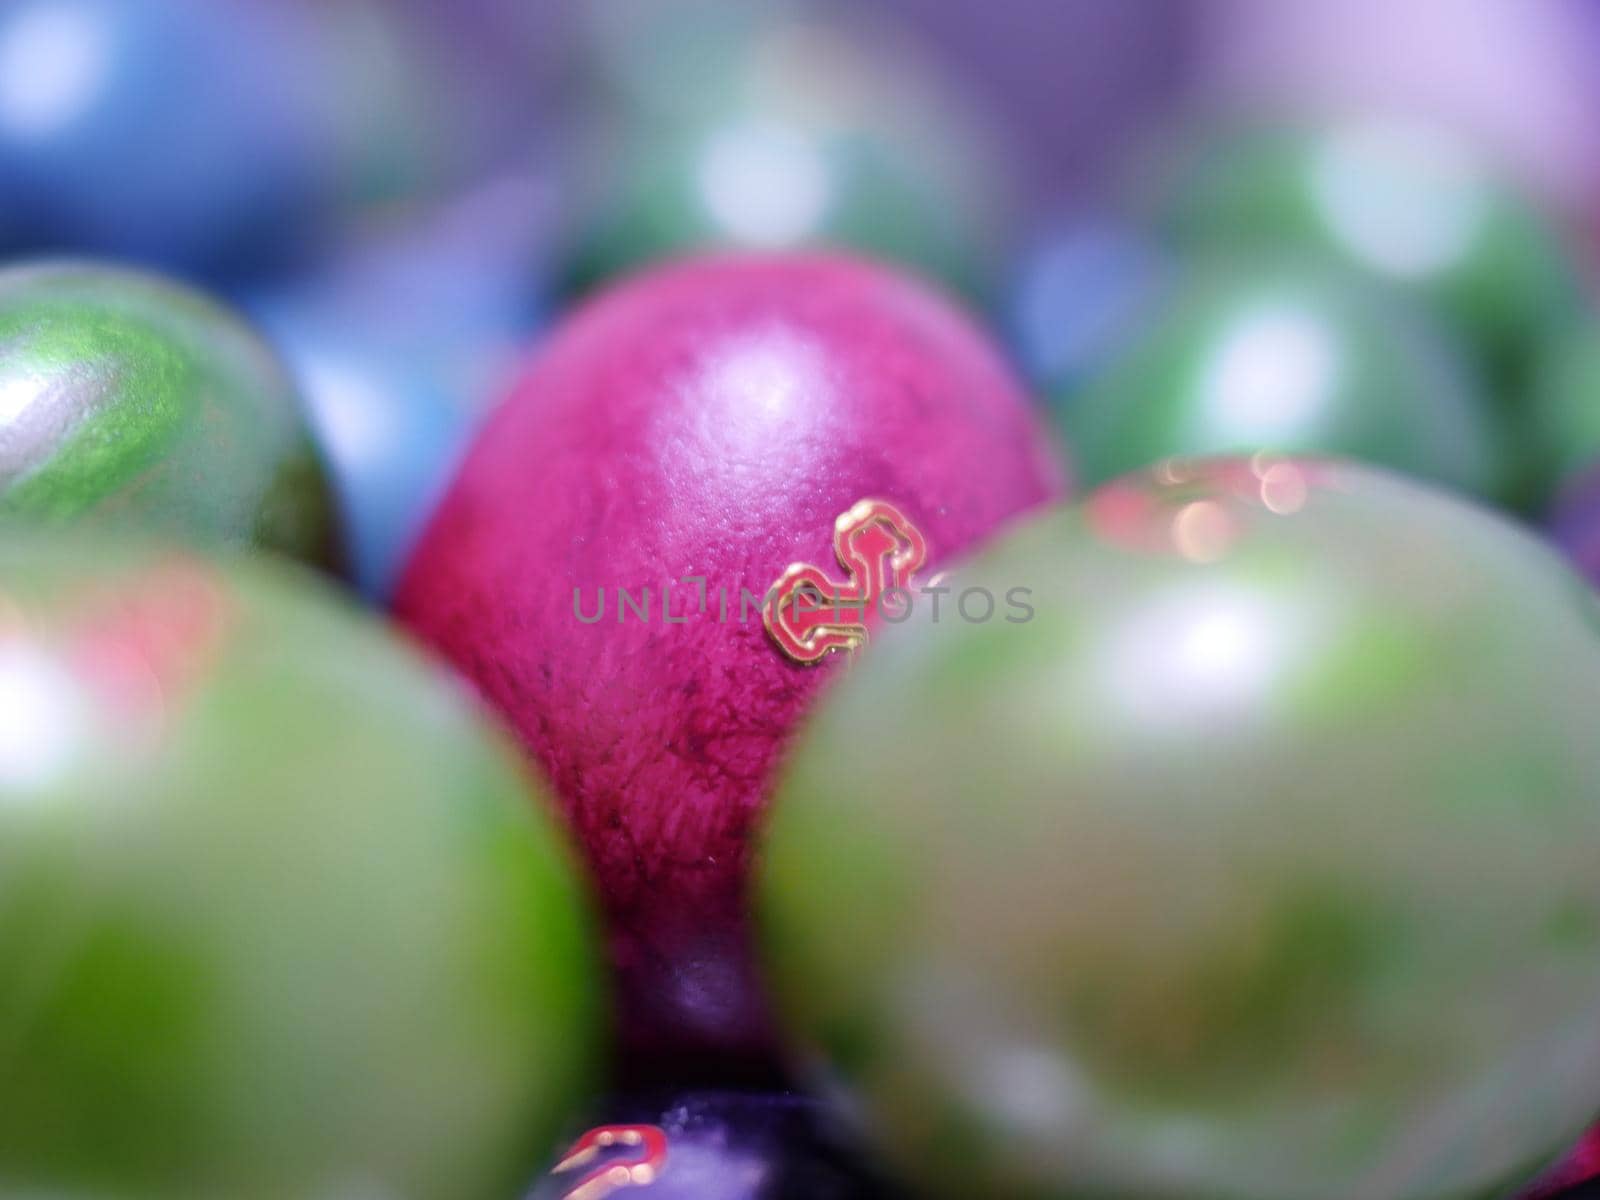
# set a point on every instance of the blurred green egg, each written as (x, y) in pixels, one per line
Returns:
(281, 916)
(1408, 202)
(1251, 855)
(133, 402)
(777, 131)
(1251, 352)
(1566, 404)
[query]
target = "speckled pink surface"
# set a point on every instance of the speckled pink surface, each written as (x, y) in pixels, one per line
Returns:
(712, 418)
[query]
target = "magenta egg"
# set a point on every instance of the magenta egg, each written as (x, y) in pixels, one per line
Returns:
(1580, 1167)
(616, 566)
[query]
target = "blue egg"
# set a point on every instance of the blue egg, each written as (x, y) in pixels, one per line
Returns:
(400, 348)
(167, 130)
(204, 136)
(1077, 297)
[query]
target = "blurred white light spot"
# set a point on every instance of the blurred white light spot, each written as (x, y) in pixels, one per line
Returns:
(1174, 472)
(1219, 644)
(1202, 531)
(40, 719)
(1028, 1092)
(1406, 203)
(1271, 376)
(17, 396)
(765, 184)
(53, 58)
(352, 414)
(1197, 651)
(1283, 488)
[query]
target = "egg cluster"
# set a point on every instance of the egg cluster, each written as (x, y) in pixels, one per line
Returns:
(750, 599)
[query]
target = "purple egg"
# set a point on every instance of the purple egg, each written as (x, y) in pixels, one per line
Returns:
(712, 421)
(712, 1145)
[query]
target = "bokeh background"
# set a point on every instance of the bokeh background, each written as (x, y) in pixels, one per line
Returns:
(406, 192)
(1365, 227)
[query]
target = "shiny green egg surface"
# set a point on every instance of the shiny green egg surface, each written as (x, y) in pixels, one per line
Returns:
(131, 401)
(281, 916)
(1248, 853)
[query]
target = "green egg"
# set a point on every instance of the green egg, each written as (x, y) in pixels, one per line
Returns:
(282, 918)
(1407, 202)
(1256, 352)
(1247, 852)
(130, 401)
(773, 131)
(1566, 405)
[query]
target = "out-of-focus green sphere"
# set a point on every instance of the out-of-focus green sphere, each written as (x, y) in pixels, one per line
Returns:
(281, 918)
(773, 131)
(1407, 202)
(1246, 354)
(1566, 405)
(129, 400)
(1259, 863)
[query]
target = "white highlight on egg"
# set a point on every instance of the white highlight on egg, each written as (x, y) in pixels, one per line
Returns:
(1271, 376)
(17, 395)
(1406, 202)
(1197, 651)
(53, 58)
(41, 721)
(765, 184)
